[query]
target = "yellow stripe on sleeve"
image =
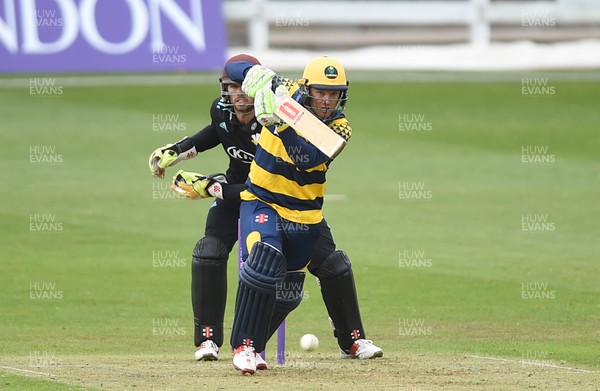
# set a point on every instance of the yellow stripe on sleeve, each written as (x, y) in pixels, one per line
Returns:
(273, 144)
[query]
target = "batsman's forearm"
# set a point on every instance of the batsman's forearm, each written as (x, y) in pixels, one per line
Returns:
(237, 70)
(303, 154)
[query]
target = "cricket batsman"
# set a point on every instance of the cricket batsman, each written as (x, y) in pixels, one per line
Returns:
(281, 212)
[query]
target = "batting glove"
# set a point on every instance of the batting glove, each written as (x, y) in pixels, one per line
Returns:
(258, 77)
(196, 186)
(265, 105)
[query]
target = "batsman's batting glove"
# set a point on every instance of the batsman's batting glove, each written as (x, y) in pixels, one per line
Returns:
(196, 186)
(169, 155)
(265, 105)
(257, 78)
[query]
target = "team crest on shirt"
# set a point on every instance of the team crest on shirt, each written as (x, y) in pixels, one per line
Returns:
(255, 138)
(261, 218)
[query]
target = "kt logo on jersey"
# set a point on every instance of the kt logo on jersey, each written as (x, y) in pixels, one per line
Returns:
(240, 154)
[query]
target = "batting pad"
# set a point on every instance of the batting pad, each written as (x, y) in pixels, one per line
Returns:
(264, 269)
(289, 295)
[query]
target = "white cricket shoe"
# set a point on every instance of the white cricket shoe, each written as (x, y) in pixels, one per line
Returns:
(363, 349)
(244, 359)
(207, 351)
(261, 364)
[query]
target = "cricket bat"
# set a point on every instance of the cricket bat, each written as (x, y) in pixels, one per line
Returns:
(309, 126)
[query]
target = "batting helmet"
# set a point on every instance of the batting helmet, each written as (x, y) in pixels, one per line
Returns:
(324, 73)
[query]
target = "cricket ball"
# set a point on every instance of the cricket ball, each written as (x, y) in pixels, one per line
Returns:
(309, 342)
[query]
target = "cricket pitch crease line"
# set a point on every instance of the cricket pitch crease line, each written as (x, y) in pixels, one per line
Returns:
(540, 364)
(93, 368)
(27, 371)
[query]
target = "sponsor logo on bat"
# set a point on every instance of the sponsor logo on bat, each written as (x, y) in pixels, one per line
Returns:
(291, 112)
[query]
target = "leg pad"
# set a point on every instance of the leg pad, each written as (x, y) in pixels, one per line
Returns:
(264, 269)
(290, 293)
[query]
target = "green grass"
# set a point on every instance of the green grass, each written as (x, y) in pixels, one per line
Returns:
(469, 300)
(14, 382)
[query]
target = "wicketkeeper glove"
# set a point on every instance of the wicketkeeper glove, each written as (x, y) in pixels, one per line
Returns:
(257, 78)
(265, 105)
(195, 186)
(160, 159)
(169, 155)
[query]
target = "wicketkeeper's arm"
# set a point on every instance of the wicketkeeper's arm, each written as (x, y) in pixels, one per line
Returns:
(169, 155)
(186, 148)
(195, 186)
(231, 192)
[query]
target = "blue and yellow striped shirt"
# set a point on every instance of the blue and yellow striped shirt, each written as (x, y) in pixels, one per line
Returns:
(288, 172)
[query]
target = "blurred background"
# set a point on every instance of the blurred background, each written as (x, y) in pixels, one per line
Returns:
(337, 24)
(139, 35)
(420, 34)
